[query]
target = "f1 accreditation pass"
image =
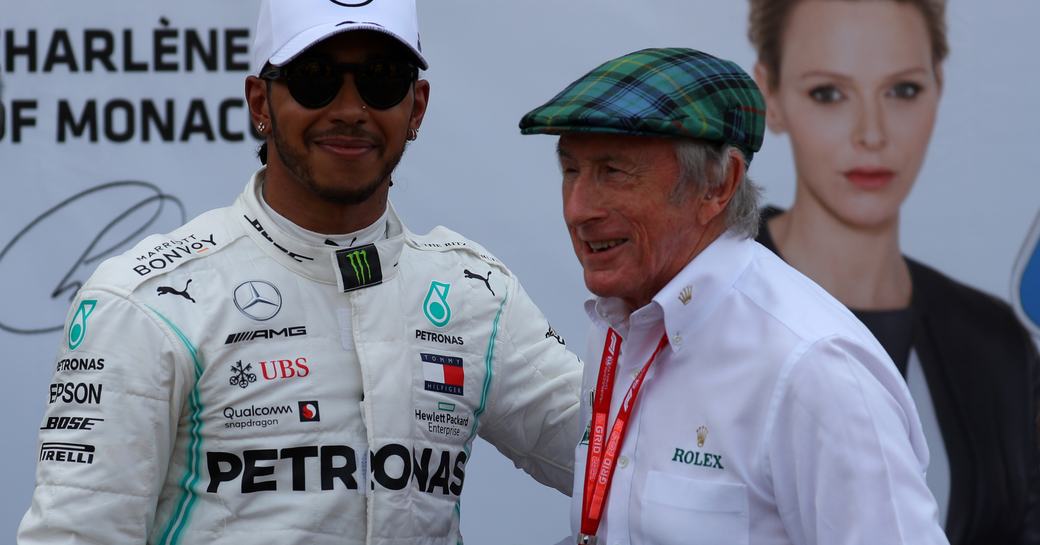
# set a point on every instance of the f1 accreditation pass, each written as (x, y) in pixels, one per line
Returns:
(235, 382)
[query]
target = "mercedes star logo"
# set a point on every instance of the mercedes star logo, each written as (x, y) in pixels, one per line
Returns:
(258, 299)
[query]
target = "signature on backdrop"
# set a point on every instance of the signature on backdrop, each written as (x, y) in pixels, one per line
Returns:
(1026, 287)
(45, 263)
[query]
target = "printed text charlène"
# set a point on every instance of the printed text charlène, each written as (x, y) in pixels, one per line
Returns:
(128, 53)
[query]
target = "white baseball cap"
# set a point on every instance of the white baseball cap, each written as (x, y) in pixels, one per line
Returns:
(287, 28)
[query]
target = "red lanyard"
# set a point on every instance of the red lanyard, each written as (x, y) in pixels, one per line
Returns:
(599, 465)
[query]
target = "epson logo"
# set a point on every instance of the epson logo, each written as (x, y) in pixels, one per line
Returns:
(393, 467)
(76, 392)
(71, 423)
(295, 331)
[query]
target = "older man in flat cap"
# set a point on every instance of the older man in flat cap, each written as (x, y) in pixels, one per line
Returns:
(734, 401)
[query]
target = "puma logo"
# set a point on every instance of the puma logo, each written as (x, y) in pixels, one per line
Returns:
(486, 281)
(164, 290)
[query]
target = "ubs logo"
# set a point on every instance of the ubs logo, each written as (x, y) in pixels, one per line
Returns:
(352, 4)
(258, 300)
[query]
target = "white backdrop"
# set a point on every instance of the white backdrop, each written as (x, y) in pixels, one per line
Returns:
(69, 202)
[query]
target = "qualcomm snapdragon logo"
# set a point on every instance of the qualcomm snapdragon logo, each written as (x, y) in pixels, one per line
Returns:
(435, 306)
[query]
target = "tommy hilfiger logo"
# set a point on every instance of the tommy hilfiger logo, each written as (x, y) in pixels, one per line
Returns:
(686, 295)
(444, 374)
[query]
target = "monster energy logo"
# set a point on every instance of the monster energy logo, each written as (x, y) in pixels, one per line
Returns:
(359, 261)
(359, 267)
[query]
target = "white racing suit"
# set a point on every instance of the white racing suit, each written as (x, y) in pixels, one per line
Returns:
(229, 383)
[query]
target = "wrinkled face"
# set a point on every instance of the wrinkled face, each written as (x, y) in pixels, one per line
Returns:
(629, 230)
(346, 150)
(858, 94)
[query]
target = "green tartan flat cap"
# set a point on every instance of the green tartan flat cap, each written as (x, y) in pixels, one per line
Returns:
(670, 92)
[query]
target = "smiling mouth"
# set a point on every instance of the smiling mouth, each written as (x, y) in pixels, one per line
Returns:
(604, 245)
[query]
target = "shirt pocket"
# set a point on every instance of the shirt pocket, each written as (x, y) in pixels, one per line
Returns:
(683, 511)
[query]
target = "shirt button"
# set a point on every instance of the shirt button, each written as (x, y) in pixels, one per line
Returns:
(677, 339)
(622, 462)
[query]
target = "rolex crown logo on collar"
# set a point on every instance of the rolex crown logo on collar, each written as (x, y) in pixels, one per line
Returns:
(702, 435)
(686, 295)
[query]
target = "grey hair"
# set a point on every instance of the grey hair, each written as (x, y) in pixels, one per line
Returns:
(703, 167)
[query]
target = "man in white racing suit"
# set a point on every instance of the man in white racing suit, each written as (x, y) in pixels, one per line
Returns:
(299, 367)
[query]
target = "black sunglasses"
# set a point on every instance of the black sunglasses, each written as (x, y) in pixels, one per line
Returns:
(314, 82)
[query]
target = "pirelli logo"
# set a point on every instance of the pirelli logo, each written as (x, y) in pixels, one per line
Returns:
(285, 332)
(73, 453)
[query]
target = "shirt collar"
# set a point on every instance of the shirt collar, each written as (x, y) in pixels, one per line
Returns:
(688, 298)
(308, 257)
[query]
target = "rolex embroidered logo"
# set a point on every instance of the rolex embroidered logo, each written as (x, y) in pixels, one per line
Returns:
(686, 295)
(700, 458)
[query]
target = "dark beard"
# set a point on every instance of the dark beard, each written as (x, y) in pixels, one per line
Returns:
(294, 162)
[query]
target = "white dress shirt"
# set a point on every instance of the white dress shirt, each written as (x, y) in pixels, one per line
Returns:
(772, 416)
